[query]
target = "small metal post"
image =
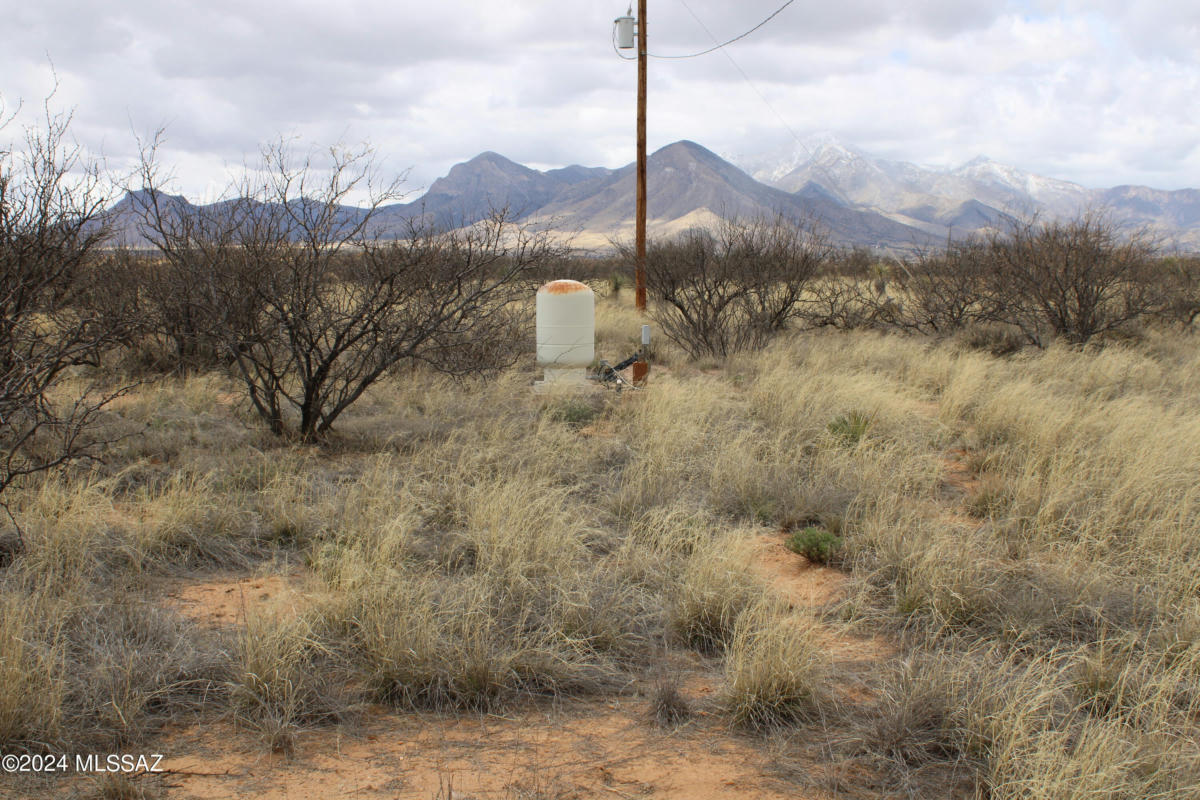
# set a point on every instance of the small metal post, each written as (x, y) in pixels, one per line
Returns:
(641, 367)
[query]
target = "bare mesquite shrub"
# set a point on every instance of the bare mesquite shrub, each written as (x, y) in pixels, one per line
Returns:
(734, 288)
(1071, 280)
(51, 232)
(310, 302)
(185, 286)
(847, 293)
(942, 291)
(1181, 275)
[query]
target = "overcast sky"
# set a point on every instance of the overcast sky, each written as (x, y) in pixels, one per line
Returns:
(1097, 92)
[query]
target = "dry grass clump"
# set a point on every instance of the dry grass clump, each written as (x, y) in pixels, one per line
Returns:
(470, 573)
(775, 669)
(283, 678)
(712, 593)
(94, 529)
(463, 595)
(672, 436)
(87, 672)
(920, 720)
(186, 521)
(1014, 726)
(668, 705)
(119, 786)
(470, 643)
(33, 688)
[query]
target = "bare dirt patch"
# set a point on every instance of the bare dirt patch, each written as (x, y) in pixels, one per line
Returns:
(580, 749)
(225, 600)
(794, 576)
(959, 479)
(814, 586)
(593, 750)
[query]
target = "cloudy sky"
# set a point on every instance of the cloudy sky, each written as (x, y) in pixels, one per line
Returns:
(1099, 92)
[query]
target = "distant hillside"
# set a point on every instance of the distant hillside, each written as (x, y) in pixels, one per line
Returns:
(861, 200)
(975, 196)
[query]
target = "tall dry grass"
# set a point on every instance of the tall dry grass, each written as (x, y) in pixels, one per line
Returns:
(476, 546)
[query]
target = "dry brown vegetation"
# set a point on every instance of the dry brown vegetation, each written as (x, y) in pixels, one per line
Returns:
(475, 547)
(1011, 606)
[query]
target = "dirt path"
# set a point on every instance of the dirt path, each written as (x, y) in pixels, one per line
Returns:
(813, 587)
(582, 749)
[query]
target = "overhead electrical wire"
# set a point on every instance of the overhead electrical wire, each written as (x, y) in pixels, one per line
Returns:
(724, 44)
(832, 184)
(711, 49)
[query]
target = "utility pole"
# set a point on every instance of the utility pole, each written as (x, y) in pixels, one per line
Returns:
(625, 35)
(624, 40)
(640, 225)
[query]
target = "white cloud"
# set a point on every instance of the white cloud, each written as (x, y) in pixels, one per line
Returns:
(1098, 92)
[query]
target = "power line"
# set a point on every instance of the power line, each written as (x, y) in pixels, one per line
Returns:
(832, 184)
(731, 41)
(709, 50)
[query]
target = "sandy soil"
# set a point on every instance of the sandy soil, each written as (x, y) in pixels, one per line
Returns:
(586, 751)
(226, 599)
(959, 479)
(791, 574)
(814, 586)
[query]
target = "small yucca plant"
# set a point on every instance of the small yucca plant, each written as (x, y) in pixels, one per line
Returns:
(850, 428)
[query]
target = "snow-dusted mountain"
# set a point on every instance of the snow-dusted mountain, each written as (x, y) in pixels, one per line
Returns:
(973, 196)
(688, 186)
(861, 200)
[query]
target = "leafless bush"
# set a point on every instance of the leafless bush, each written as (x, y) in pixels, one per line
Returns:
(841, 302)
(734, 288)
(942, 290)
(1181, 276)
(855, 262)
(51, 232)
(1072, 280)
(311, 305)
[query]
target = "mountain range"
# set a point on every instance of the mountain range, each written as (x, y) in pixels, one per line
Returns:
(860, 199)
(973, 196)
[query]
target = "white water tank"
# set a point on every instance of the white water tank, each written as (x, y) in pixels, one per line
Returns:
(566, 327)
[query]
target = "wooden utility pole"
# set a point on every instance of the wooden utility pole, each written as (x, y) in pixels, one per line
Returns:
(640, 233)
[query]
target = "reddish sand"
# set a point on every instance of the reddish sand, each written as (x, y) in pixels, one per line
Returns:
(959, 478)
(588, 751)
(814, 586)
(791, 574)
(225, 600)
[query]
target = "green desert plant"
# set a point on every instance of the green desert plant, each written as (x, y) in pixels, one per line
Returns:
(818, 545)
(850, 428)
